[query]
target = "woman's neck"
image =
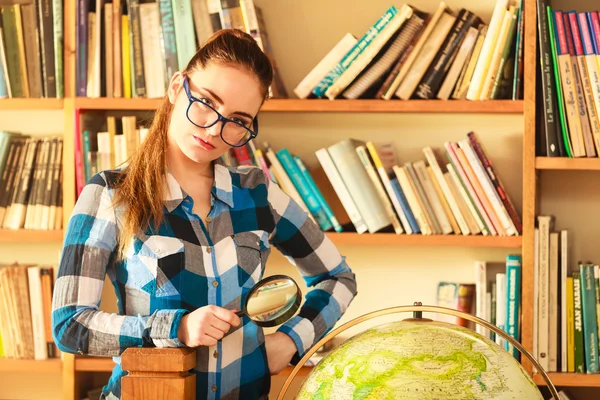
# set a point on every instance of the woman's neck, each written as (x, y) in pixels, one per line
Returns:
(187, 172)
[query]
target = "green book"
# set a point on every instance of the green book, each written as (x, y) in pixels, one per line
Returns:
(578, 320)
(561, 103)
(590, 325)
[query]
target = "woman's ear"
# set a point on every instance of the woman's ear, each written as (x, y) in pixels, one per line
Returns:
(175, 86)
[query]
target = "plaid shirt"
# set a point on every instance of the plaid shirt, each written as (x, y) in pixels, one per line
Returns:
(186, 264)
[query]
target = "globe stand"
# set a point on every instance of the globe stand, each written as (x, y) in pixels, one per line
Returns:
(417, 309)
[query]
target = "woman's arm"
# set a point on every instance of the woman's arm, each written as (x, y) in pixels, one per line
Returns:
(90, 245)
(321, 266)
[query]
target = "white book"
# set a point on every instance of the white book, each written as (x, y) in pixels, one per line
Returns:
(340, 189)
(439, 176)
(553, 302)
(490, 76)
(341, 48)
(456, 178)
(536, 291)
(544, 224)
(480, 293)
(154, 63)
(501, 306)
(487, 50)
(37, 313)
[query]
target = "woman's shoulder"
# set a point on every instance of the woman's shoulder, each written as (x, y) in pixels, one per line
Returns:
(247, 176)
(109, 178)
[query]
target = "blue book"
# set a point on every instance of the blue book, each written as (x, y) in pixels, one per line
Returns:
(513, 301)
(354, 52)
(590, 325)
(184, 32)
(316, 192)
(3, 87)
(311, 201)
(168, 35)
(404, 204)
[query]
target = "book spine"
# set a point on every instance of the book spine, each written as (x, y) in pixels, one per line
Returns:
(412, 222)
(433, 77)
(578, 325)
(352, 55)
(590, 326)
(513, 299)
(544, 224)
(590, 59)
(184, 32)
(47, 27)
(311, 201)
(169, 42)
(81, 48)
(135, 32)
(317, 193)
(570, 326)
(518, 71)
(3, 73)
(341, 190)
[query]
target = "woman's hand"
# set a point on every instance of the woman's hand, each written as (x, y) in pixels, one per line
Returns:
(206, 326)
(280, 350)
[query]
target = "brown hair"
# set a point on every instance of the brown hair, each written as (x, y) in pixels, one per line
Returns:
(141, 190)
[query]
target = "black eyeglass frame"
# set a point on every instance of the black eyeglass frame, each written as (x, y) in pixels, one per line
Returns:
(192, 99)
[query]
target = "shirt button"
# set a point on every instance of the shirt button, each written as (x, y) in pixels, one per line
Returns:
(208, 220)
(215, 283)
(214, 388)
(209, 250)
(216, 354)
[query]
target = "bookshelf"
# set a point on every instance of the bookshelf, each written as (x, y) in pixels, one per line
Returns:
(531, 167)
(324, 106)
(33, 236)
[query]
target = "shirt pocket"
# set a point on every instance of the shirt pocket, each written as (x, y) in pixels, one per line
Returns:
(165, 258)
(252, 252)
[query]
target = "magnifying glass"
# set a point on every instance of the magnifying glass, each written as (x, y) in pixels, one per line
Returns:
(272, 301)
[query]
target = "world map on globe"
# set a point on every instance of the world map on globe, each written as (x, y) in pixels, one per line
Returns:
(418, 359)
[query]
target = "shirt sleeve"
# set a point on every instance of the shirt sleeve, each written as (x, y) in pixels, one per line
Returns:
(78, 326)
(321, 265)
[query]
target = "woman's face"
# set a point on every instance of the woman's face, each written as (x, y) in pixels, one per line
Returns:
(233, 92)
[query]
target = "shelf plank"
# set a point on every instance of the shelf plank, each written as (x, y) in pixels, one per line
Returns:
(94, 364)
(569, 379)
(31, 104)
(30, 366)
(29, 235)
(320, 105)
(564, 163)
(391, 239)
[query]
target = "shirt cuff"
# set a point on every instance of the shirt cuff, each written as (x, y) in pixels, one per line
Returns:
(299, 330)
(165, 328)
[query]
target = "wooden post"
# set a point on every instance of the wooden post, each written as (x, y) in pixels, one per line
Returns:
(158, 374)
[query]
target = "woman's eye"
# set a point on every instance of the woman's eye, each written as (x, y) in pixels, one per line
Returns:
(240, 121)
(207, 101)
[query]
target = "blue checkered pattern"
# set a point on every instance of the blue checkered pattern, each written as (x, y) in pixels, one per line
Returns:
(187, 263)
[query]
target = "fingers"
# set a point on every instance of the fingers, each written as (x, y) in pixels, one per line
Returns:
(219, 324)
(226, 315)
(213, 333)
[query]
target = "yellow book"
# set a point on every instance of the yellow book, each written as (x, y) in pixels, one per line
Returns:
(570, 326)
(445, 205)
(126, 57)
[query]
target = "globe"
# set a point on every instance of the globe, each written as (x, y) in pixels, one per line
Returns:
(418, 359)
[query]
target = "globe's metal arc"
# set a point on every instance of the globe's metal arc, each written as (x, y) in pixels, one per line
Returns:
(421, 309)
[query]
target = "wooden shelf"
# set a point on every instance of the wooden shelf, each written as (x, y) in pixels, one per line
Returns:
(29, 235)
(391, 239)
(569, 379)
(31, 104)
(564, 163)
(30, 366)
(94, 364)
(321, 105)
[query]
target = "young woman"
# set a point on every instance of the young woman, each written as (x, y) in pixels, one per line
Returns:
(183, 239)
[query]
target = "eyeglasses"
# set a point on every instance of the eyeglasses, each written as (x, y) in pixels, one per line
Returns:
(235, 132)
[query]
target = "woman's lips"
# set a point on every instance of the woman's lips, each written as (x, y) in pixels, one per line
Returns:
(204, 144)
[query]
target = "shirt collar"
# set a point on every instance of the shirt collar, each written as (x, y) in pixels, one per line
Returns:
(222, 187)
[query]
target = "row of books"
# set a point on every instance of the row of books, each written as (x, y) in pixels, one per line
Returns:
(566, 307)
(26, 312)
(494, 296)
(31, 49)
(30, 181)
(409, 53)
(129, 48)
(568, 124)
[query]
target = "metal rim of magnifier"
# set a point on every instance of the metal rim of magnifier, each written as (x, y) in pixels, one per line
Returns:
(286, 315)
(417, 308)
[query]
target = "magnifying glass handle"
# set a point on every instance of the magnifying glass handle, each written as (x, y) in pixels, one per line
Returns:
(239, 313)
